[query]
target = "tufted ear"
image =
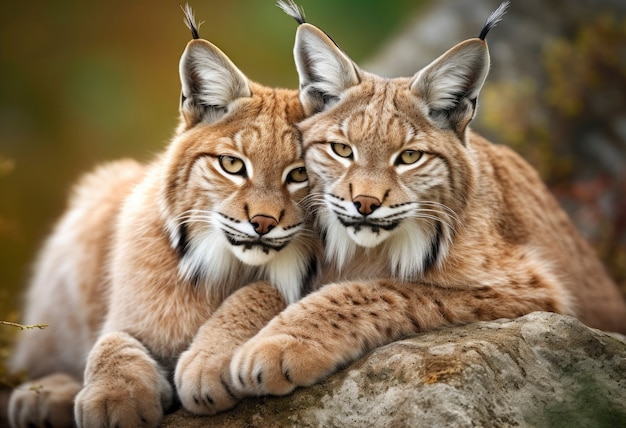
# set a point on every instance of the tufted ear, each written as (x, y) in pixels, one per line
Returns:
(324, 70)
(211, 83)
(449, 86)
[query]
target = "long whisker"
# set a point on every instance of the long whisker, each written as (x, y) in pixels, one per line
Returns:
(195, 220)
(420, 215)
(436, 211)
(194, 216)
(313, 200)
(193, 211)
(449, 211)
(197, 216)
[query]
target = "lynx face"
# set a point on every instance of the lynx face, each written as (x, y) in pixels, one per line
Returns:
(384, 176)
(235, 177)
(239, 193)
(389, 163)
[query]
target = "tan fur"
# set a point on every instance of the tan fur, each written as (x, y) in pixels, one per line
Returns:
(139, 262)
(480, 236)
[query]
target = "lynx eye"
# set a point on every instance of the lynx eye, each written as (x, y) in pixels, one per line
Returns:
(409, 157)
(297, 175)
(342, 150)
(232, 165)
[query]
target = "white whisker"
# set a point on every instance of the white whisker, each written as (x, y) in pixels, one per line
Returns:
(195, 220)
(447, 210)
(429, 213)
(313, 201)
(419, 215)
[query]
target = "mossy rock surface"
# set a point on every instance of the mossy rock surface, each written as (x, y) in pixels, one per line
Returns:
(539, 370)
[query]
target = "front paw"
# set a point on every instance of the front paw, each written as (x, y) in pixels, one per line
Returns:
(203, 382)
(118, 402)
(124, 386)
(46, 402)
(277, 364)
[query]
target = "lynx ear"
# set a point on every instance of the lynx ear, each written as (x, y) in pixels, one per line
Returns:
(449, 86)
(324, 70)
(210, 83)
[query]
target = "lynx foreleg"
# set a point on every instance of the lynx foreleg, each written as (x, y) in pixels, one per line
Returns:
(340, 322)
(124, 385)
(202, 374)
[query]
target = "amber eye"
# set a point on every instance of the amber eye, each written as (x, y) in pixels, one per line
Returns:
(297, 175)
(232, 165)
(342, 150)
(409, 157)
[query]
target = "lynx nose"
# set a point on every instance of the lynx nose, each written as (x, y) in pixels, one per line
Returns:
(263, 224)
(366, 204)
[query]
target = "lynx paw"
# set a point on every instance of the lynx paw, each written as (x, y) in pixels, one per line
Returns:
(203, 382)
(118, 403)
(124, 386)
(277, 364)
(46, 402)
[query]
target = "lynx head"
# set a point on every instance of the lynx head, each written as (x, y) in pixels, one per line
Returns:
(388, 159)
(234, 176)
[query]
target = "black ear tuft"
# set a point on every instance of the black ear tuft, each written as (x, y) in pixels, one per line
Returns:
(190, 21)
(494, 18)
(293, 10)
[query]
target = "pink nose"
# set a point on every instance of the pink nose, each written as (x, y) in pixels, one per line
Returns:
(366, 204)
(263, 224)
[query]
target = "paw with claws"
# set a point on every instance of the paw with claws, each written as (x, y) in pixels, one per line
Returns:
(124, 386)
(203, 382)
(277, 364)
(46, 402)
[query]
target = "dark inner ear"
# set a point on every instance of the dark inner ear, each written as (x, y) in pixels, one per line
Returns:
(456, 118)
(210, 83)
(317, 100)
(194, 106)
(325, 72)
(450, 85)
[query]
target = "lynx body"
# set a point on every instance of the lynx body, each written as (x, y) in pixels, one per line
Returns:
(425, 223)
(145, 254)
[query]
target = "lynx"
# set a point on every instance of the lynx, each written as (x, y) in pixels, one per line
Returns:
(425, 223)
(145, 254)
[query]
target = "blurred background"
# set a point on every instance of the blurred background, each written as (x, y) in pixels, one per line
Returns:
(86, 82)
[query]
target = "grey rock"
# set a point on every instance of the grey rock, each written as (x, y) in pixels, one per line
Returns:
(541, 370)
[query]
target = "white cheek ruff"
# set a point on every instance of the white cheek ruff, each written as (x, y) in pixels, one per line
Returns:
(288, 269)
(207, 256)
(253, 256)
(340, 247)
(210, 260)
(366, 237)
(411, 247)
